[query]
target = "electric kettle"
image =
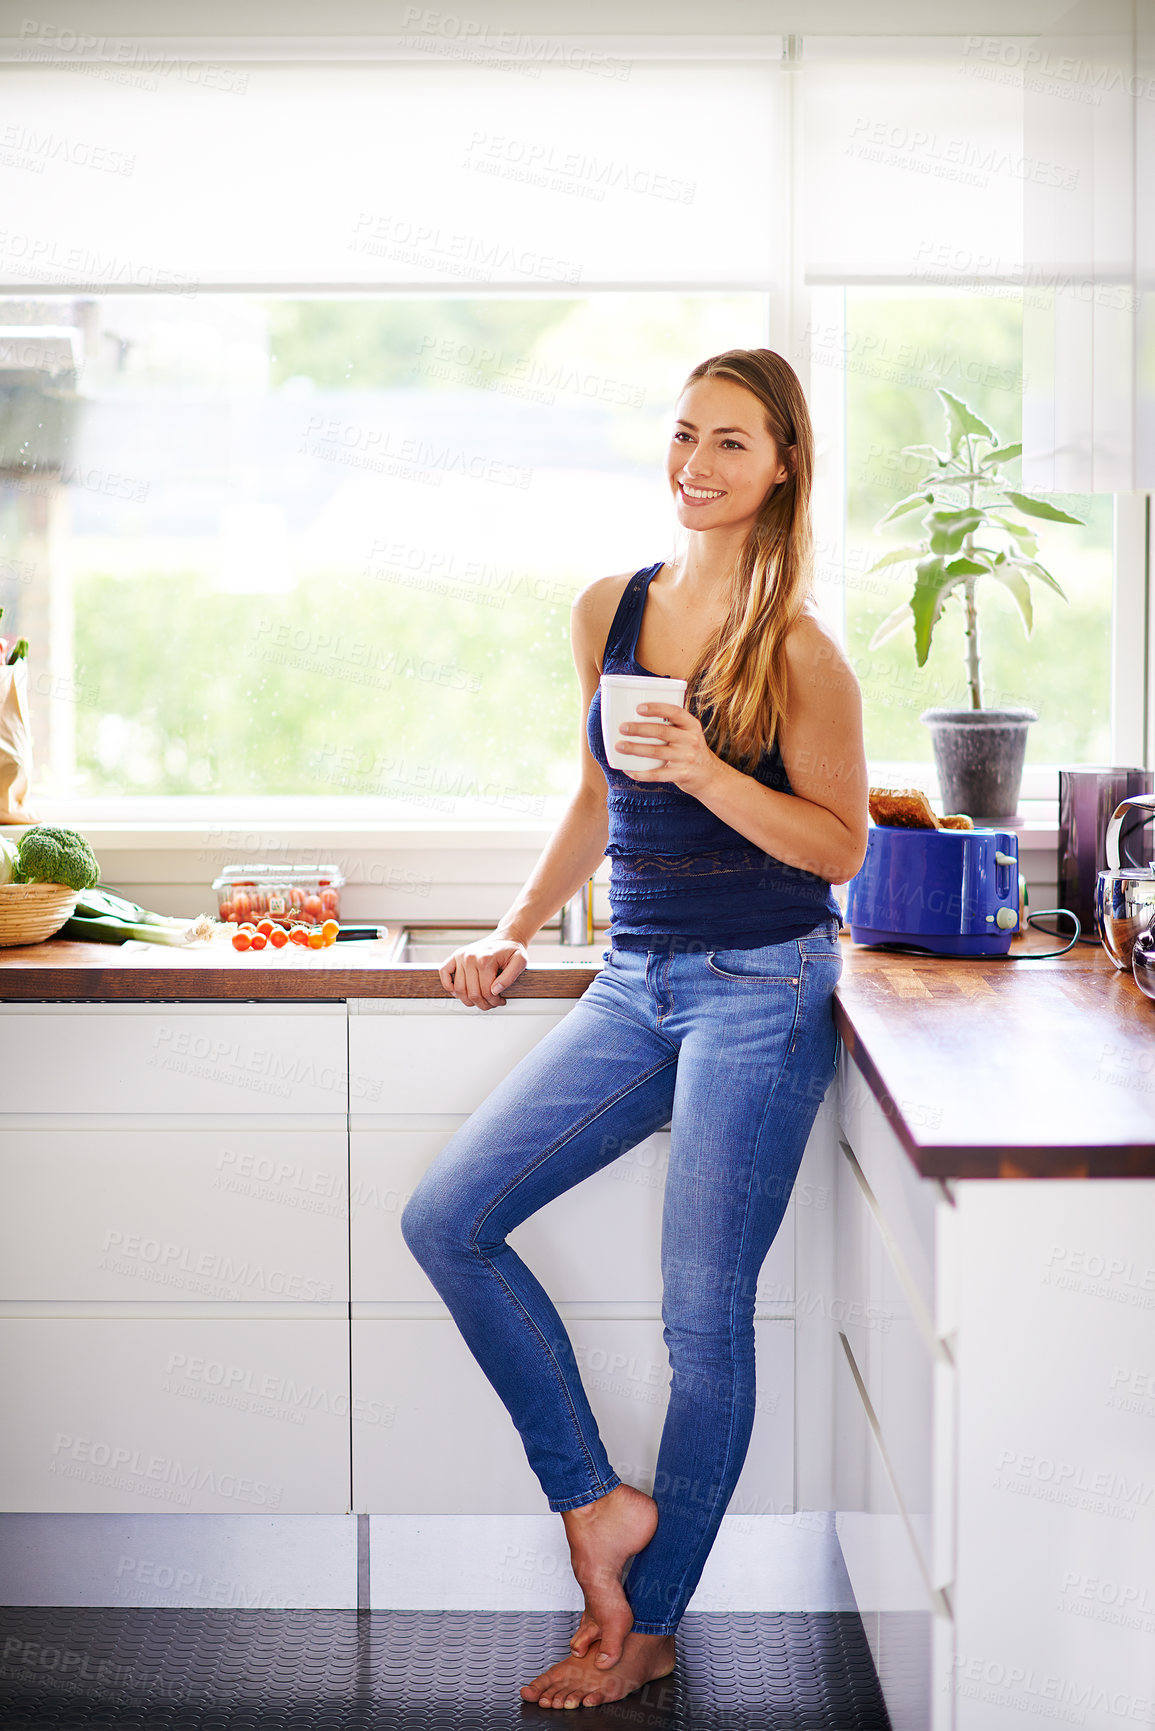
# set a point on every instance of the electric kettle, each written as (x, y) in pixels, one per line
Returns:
(1125, 891)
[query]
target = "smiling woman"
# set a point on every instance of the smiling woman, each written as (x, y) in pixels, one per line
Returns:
(713, 1012)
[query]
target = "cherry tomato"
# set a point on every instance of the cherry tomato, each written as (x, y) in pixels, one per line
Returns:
(241, 940)
(315, 940)
(258, 941)
(330, 930)
(329, 901)
(242, 905)
(313, 906)
(278, 937)
(225, 911)
(265, 925)
(299, 935)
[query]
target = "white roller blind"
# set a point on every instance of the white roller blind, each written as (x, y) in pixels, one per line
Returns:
(914, 165)
(399, 173)
(1088, 329)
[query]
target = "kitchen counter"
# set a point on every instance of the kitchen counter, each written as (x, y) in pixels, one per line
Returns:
(210, 1312)
(992, 1069)
(62, 970)
(985, 1069)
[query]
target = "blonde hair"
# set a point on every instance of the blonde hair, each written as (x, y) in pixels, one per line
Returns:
(738, 684)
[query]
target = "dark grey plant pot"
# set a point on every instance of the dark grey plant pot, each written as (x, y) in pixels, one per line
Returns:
(979, 756)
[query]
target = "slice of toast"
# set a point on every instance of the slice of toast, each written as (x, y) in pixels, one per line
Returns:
(909, 808)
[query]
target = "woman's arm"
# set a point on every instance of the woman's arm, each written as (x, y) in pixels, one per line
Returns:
(822, 826)
(478, 973)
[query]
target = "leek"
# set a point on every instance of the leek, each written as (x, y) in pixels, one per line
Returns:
(103, 917)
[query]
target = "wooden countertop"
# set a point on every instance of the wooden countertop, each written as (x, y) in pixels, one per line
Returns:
(986, 1069)
(64, 970)
(1006, 1069)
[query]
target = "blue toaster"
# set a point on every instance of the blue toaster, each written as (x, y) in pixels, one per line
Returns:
(954, 892)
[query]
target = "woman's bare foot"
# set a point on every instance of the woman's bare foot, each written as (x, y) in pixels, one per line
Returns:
(603, 1536)
(581, 1682)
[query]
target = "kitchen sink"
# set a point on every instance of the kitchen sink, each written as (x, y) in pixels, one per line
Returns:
(431, 944)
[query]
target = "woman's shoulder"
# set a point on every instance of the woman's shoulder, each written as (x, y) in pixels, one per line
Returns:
(595, 605)
(820, 677)
(811, 643)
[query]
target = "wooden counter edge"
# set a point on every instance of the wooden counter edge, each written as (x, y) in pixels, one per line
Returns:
(273, 984)
(946, 1160)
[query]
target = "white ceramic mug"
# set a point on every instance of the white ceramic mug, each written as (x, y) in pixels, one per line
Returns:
(621, 695)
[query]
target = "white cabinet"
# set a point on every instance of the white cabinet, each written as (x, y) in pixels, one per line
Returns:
(1055, 1589)
(598, 1243)
(427, 1056)
(416, 1071)
(174, 1058)
(174, 1295)
(206, 1212)
(894, 1401)
(438, 1440)
(236, 1215)
(175, 1415)
(993, 1421)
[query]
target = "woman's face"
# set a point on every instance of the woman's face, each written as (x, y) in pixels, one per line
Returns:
(722, 460)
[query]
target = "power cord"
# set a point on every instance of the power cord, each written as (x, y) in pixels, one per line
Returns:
(1036, 956)
(1045, 955)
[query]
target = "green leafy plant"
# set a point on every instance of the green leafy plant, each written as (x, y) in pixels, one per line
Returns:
(973, 528)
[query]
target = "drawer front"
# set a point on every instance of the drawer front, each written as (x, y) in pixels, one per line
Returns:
(232, 1216)
(909, 1629)
(444, 1062)
(909, 1203)
(897, 1364)
(179, 1416)
(438, 1441)
(125, 1059)
(599, 1242)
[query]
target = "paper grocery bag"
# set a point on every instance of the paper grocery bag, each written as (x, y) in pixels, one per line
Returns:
(15, 745)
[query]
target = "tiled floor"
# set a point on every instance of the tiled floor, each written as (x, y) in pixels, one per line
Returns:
(175, 1670)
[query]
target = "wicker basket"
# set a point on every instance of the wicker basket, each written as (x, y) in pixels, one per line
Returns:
(29, 913)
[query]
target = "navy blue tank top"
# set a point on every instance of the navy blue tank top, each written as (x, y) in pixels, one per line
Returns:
(680, 878)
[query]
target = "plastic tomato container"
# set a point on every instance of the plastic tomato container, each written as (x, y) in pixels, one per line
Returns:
(285, 894)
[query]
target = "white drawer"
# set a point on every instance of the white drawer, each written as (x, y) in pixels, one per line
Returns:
(908, 1626)
(232, 1215)
(599, 1242)
(909, 1204)
(446, 1444)
(175, 1058)
(179, 1416)
(910, 1380)
(444, 1061)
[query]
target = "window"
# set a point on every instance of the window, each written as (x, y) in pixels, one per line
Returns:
(900, 346)
(309, 521)
(329, 546)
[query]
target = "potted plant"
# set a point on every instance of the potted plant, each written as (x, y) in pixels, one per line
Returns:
(973, 530)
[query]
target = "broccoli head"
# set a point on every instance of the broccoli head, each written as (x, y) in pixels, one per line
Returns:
(56, 856)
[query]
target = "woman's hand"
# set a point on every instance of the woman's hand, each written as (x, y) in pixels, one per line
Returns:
(478, 973)
(677, 738)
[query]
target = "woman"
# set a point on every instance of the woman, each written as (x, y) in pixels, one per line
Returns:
(713, 1011)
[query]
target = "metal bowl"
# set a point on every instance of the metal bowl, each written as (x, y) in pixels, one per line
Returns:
(1143, 961)
(1124, 907)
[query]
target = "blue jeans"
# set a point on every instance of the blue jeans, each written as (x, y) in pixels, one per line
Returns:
(735, 1049)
